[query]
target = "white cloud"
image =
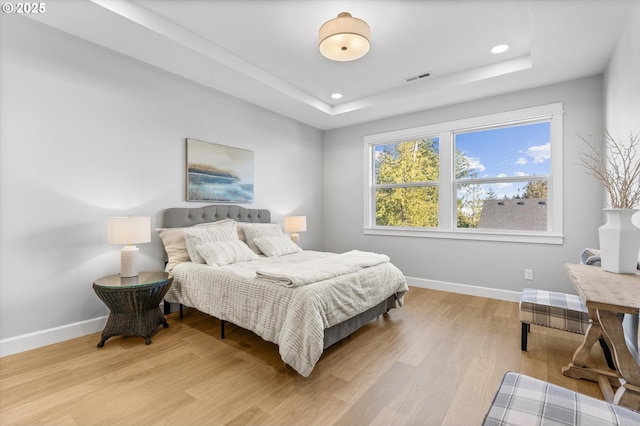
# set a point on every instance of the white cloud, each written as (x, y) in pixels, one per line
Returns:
(521, 161)
(502, 185)
(540, 153)
(476, 164)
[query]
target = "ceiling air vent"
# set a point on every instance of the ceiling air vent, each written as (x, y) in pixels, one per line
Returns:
(417, 77)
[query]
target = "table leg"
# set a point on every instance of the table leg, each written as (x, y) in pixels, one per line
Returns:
(612, 327)
(579, 366)
(581, 355)
(628, 394)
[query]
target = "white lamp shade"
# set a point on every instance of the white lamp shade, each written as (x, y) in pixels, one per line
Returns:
(129, 230)
(295, 224)
(344, 38)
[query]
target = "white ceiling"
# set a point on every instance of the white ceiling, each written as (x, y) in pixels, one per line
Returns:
(266, 52)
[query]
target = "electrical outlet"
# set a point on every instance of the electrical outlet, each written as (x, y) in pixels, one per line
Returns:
(528, 274)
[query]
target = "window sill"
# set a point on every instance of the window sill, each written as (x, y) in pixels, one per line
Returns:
(473, 235)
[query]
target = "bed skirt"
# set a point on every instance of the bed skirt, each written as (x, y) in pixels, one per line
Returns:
(340, 331)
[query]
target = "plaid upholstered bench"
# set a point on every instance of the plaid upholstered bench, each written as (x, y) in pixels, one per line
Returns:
(556, 310)
(553, 310)
(522, 400)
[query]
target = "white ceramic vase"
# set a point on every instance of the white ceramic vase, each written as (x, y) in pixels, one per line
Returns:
(619, 242)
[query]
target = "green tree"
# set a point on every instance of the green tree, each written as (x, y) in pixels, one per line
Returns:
(491, 194)
(418, 161)
(535, 189)
(408, 162)
(469, 201)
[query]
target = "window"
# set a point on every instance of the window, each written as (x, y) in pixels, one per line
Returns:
(496, 177)
(406, 178)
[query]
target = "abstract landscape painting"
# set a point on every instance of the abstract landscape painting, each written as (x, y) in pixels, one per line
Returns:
(218, 173)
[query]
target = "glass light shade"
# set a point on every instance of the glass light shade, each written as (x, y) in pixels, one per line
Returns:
(129, 230)
(295, 224)
(344, 38)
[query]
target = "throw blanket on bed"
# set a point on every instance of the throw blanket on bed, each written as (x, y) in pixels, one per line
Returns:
(293, 318)
(298, 274)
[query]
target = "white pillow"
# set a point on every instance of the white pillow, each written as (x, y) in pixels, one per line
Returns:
(174, 244)
(259, 230)
(197, 235)
(220, 253)
(173, 241)
(276, 246)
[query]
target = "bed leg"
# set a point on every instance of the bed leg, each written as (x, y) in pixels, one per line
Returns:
(223, 322)
(167, 307)
(181, 311)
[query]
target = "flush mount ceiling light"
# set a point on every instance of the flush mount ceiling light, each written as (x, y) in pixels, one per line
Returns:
(344, 38)
(500, 48)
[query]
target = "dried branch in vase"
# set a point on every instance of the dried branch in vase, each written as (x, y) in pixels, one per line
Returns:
(617, 167)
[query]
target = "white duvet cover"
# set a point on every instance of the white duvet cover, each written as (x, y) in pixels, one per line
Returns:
(293, 318)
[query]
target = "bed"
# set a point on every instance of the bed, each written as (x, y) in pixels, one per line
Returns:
(302, 300)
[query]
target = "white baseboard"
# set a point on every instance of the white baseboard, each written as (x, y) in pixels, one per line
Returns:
(38, 339)
(471, 290)
(25, 342)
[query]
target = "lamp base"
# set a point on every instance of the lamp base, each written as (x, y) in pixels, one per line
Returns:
(129, 261)
(295, 237)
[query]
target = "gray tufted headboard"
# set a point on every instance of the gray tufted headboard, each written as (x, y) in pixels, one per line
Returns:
(176, 217)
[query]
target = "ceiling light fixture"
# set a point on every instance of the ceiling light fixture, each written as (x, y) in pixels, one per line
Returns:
(500, 48)
(344, 38)
(336, 95)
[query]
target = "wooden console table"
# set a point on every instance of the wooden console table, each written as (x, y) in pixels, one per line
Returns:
(607, 296)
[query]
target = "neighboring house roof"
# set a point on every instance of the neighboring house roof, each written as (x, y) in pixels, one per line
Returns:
(524, 214)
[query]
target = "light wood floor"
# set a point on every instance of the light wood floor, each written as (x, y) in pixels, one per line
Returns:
(436, 361)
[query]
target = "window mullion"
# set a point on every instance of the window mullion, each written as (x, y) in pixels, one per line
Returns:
(446, 200)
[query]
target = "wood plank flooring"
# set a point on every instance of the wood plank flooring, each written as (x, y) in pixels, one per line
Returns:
(436, 361)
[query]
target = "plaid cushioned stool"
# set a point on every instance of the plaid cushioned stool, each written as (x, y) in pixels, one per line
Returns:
(555, 310)
(522, 400)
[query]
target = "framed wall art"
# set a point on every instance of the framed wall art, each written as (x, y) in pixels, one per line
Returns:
(218, 173)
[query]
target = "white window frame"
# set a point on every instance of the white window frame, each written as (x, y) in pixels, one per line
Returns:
(447, 213)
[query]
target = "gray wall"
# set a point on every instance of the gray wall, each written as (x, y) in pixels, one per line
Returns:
(87, 134)
(622, 112)
(494, 265)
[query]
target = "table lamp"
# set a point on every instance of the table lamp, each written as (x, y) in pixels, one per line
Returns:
(295, 224)
(129, 230)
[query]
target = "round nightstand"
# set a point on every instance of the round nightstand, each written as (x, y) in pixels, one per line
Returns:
(134, 304)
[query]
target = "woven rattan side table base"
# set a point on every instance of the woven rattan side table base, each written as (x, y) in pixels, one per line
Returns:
(134, 304)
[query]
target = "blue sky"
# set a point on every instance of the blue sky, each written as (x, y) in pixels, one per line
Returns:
(522, 150)
(508, 151)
